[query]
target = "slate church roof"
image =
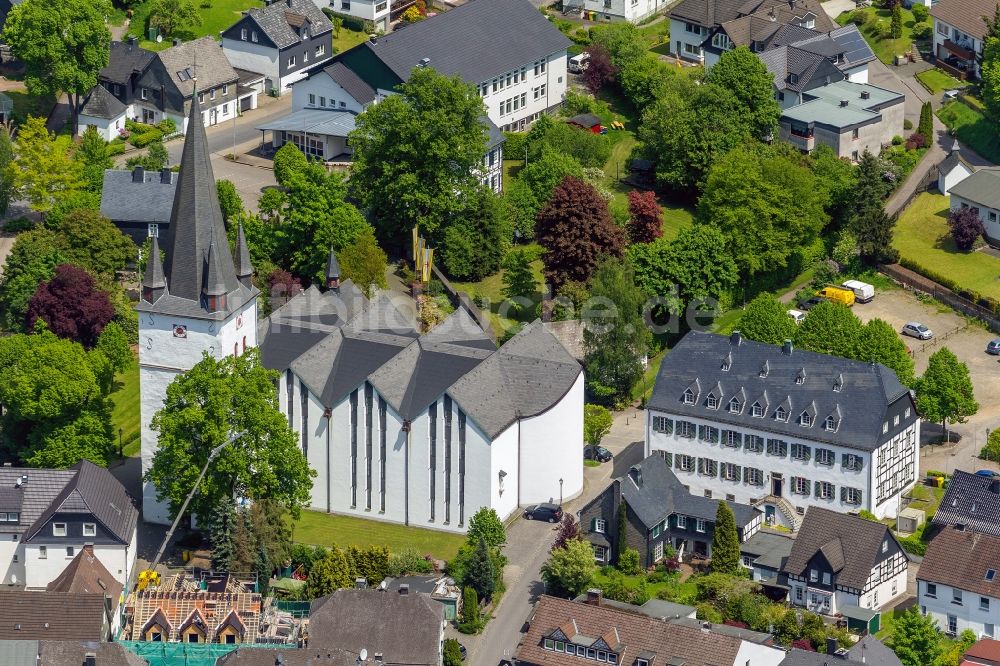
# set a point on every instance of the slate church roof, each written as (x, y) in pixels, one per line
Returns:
(856, 394)
(973, 501)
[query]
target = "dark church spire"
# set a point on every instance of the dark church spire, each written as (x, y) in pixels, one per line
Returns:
(244, 268)
(332, 271)
(153, 281)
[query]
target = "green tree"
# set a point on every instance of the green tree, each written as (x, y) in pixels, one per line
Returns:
(596, 424)
(615, 338)
(416, 155)
(836, 179)
(569, 570)
(6, 176)
(33, 259)
(93, 154)
(518, 278)
(765, 320)
(879, 343)
(830, 328)
(623, 42)
(915, 638)
(486, 525)
(216, 400)
(229, 200)
(470, 621)
(289, 161)
(480, 574)
(926, 125)
(222, 534)
(91, 241)
(452, 654)
(170, 15)
(767, 206)
(644, 79)
(944, 392)
(869, 222)
(43, 170)
(64, 45)
(629, 562)
(364, 263)
(472, 247)
(329, 574)
(992, 449)
(744, 74)
(725, 542)
(114, 344)
(543, 174)
(896, 22)
(989, 77)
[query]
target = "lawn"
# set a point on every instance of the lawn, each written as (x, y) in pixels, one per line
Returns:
(922, 238)
(926, 498)
(348, 39)
(326, 529)
(973, 129)
(937, 81)
(219, 15)
(125, 413)
(491, 289)
(685, 592)
(885, 48)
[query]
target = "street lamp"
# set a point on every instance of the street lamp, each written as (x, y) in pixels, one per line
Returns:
(560, 491)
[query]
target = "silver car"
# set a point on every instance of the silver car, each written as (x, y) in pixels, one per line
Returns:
(917, 330)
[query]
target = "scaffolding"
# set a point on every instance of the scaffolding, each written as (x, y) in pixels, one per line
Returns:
(185, 654)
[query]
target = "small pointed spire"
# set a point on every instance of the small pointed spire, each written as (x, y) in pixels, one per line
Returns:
(332, 271)
(955, 147)
(214, 289)
(154, 282)
(244, 268)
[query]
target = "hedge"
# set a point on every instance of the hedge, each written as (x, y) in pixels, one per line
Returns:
(988, 302)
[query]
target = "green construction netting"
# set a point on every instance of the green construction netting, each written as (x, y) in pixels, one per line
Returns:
(186, 654)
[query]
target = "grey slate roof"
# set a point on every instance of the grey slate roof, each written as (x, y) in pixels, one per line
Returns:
(18, 652)
(529, 374)
(314, 121)
(149, 201)
(353, 84)
(153, 277)
(769, 549)
(759, 637)
(982, 187)
(476, 41)
(196, 225)
(124, 60)
(244, 267)
(205, 59)
(850, 544)
(873, 652)
(867, 389)
(102, 104)
(274, 20)
(405, 629)
(797, 657)
(332, 266)
(662, 494)
(970, 500)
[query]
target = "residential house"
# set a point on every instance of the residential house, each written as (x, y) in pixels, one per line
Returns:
(281, 41)
(765, 554)
(139, 202)
(839, 562)
(58, 616)
(959, 31)
(797, 657)
(518, 83)
(773, 25)
(369, 395)
(380, 13)
(168, 83)
(120, 77)
(204, 608)
(439, 588)
(86, 575)
(565, 633)
(660, 514)
(67, 653)
(957, 583)
(802, 59)
(873, 652)
(695, 22)
(394, 627)
(633, 11)
(783, 429)
(104, 112)
(984, 652)
(981, 192)
(51, 515)
(953, 169)
(972, 502)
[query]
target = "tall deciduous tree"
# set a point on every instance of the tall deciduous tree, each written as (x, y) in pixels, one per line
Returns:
(64, 44)
(879, 343)
(43, 171)
(725, 542)
(472, 246)
(765, 320)
(364, 263)
(966, 227)
(71, 305)
(216, 400)
(416, 155)
(915, 638)
(569, 570)
(830, 328)
(645, 217)
(93, 154)
(989, 76)
(944, 392)
(229, 199)
(485, 524)
(543, 174)
(91, 241)
(170, 15)
(745, 75)
(576, 230)
(615, 337)
(33, 259)
(596, 424)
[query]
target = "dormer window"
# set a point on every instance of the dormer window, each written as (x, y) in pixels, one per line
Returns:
(780, 414)
(757, 410)
(793, 78)
(712, 402)
(805, 419)
(688, 397)
(830, 424)
(734, 406)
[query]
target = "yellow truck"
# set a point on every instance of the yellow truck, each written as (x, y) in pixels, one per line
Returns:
(837, 295)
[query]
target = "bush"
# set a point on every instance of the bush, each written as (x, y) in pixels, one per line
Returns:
(628, 562)
(907, 124)
(966, 229)
(920, 13)
(408, 561)
(898, 140)
(706, 612)
(18, 225)
(141, 140)
(916, 141)
(513, 147)
(167, 126)
(922, 30)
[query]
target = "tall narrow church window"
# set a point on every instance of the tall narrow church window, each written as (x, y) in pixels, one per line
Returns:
(447, 459)
(461, 467)
(354, 448)
(290, 389)
(244, 344)
(432, 446)
(368, 445)
(236, 349)
(381, 453)
(304, 397)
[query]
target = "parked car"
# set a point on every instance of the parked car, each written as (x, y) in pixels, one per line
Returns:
(863, 292)
(993, 347)
(461, 649)
(798, 316)
(810, 303)
(988, 473)
(545, 511)
(837, 295)
(917, 330)
(578, 63)
(599, 453)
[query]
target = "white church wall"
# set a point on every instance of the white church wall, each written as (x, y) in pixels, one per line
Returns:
(552, 449)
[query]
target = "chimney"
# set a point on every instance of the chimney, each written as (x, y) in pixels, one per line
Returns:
(133, 41)
(960, 527)
(831, 646)
(360, 583)
(378, 658)
(595, 596)
(635, 473)
(138, 175)
(786, 348)
(843, 103)
(177, 41)
(373, 38)
(166, 175)
(404, 589)
(865, 94)
(90, 659)
(735, 338)
(706, 627)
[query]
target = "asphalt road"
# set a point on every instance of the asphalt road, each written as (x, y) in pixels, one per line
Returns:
(220, 137)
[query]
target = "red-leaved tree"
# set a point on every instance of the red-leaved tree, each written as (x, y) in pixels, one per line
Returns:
(803, 644)
(576, 230)
(569, 529)
(645, 217)
(600, 70)
(71, 305)
(283, 286)
(966, 227)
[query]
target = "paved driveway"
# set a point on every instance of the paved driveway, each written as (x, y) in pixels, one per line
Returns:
(835, 8)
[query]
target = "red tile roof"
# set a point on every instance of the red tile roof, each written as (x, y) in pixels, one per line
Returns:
(960, 558)
(985, 651)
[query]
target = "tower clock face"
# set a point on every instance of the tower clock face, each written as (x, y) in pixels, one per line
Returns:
(180, 331)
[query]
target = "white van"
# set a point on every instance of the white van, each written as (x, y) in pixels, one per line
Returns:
(863, 292)
(578, 63)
